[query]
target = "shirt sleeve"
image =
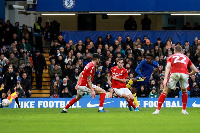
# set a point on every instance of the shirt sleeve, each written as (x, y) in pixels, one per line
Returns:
(137, 70)
(155, 64)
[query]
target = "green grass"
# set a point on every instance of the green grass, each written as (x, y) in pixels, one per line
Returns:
(118, 120)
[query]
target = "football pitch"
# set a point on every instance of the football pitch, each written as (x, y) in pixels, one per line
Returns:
(88, 120)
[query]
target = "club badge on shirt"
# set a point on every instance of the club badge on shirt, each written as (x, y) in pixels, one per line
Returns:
(11, 78)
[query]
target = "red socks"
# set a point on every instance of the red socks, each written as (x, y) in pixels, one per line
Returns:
(161, 99)
(71, 103)
(184, 100)
(130, 103)
(102, 99)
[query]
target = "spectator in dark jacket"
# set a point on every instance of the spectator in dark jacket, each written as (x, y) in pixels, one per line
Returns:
(53, 49)
(142, 92)
(26, 85)
(146, 23)
(195, 91)
(148, 45)
(159, 44)
(66, 89)
(130, 24)
(67, 71)
(39, 63)
(74, 75)
(61, 41)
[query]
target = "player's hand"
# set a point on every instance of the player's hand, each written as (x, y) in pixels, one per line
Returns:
(76, 87)
(93, 94)
(144, 78)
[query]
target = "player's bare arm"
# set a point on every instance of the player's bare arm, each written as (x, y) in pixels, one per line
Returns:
(167, 70)
(194, 70)
(121, 80)
(90, 86)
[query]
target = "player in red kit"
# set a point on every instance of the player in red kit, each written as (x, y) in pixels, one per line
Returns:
(177, 67)
(84, 85)
(119, 77)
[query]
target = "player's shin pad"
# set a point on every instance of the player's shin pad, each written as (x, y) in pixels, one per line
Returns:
(135, 100)
(129, 84)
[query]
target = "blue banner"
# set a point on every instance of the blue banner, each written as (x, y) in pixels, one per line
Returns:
(117, 5)
(177, 36)
(94, 103)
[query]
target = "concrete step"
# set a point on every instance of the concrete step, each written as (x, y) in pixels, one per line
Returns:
(34, 91)
(43, 83)
(43, 87)
(45, 71)
(40, 95)
(44, 79)
(46, 54)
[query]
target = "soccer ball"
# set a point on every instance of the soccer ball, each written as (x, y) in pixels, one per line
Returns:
(5, 102)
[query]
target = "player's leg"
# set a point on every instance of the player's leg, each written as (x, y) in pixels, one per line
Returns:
(125, 92)
(81, 90)
(170, 84)
(161, 99)
(132, 86)
(102, 94)
(130, 102)
(184, 84)
(134, 92)
(72, 101)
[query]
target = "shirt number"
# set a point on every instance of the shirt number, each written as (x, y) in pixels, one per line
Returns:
(178, 60)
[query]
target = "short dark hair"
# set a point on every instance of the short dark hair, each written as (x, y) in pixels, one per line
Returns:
(149, 54)
(119, 59)
(95, 56)
(178, 48)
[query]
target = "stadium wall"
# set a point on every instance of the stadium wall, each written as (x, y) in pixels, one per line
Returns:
(94, 103)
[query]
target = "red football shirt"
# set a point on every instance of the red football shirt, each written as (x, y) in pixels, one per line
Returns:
(89, 70)
(119, 73)
(179, 63)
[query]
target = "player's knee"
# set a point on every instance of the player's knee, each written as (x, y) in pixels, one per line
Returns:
(131, 98)
(103, 91)
(184, 90)
(125, 96)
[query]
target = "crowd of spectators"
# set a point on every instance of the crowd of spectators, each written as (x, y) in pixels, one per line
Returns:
(68, 60)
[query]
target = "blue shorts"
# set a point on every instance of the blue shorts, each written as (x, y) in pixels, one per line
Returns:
(140, 82)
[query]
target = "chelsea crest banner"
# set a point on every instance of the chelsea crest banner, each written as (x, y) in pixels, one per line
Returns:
(68, 4)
